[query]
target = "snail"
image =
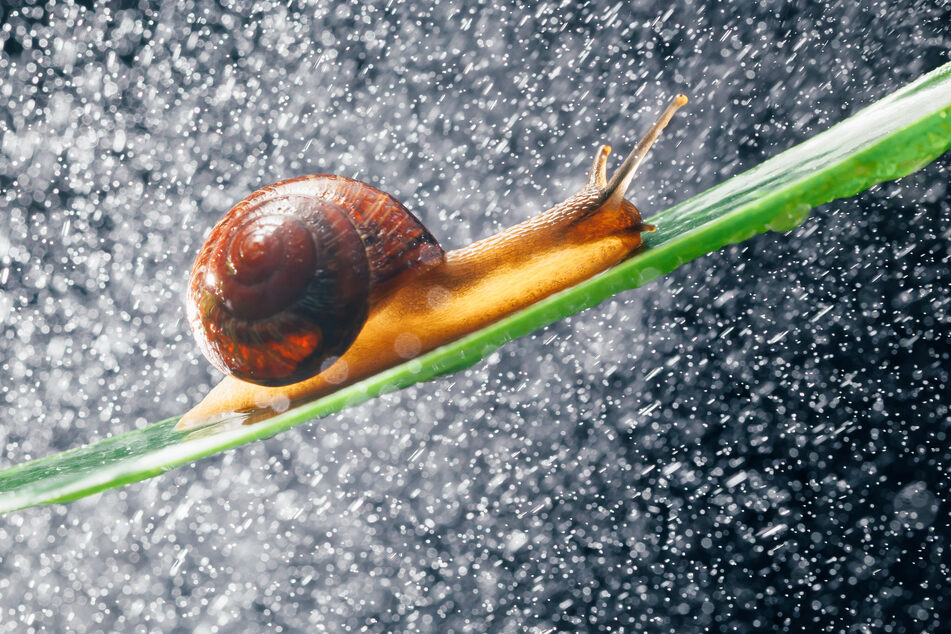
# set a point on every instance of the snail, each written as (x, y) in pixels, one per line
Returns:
(314, 283)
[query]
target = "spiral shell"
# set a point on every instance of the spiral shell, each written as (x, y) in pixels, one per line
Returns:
(285, 281)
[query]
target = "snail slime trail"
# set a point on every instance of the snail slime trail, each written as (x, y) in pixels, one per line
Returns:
(317, 282)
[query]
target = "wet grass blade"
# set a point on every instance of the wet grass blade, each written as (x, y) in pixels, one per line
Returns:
(887, 140)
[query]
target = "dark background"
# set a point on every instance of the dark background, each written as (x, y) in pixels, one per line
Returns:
(758, 441)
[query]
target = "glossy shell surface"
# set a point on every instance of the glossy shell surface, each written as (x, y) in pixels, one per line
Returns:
(285, 280)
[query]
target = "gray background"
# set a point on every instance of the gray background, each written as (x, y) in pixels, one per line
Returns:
(755, 442)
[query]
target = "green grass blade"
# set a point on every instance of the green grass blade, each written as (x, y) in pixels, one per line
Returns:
(887, 140)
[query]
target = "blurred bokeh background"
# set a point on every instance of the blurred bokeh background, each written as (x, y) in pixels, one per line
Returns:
(758, 441)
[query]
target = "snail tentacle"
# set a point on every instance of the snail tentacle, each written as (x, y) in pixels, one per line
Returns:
(617, 187)
(598, 176)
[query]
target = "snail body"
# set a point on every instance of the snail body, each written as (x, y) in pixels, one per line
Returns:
(394, 294)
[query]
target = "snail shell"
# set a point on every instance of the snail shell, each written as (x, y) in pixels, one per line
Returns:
(285, 280)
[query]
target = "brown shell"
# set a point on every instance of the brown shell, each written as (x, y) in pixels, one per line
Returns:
(284, 282)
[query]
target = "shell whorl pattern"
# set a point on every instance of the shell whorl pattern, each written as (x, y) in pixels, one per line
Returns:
(285, 280)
